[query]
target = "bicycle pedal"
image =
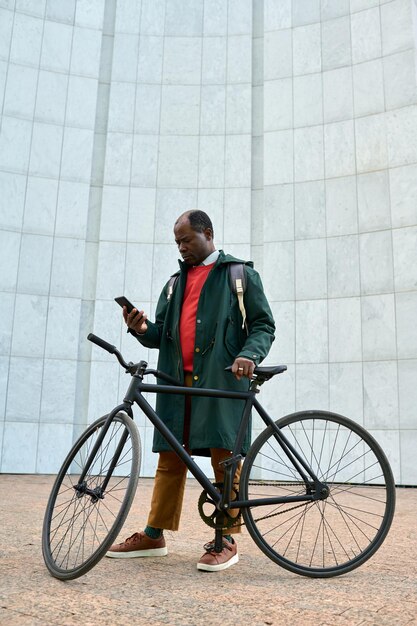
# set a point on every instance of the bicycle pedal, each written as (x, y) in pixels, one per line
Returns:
(231, 460)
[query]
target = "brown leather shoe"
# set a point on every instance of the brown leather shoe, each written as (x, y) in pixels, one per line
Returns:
(139, 544)
(213, 561)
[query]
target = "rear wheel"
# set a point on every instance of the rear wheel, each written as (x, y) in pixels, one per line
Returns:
(326, 537)
(83, 519)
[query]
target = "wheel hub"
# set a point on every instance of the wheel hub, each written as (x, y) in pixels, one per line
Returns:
(83, 490)
(324, 492)
(319, 491)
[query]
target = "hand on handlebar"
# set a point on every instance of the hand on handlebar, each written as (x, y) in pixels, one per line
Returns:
(243, 367)
(136, 320)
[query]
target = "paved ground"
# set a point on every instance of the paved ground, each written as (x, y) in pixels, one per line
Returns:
(171, 591)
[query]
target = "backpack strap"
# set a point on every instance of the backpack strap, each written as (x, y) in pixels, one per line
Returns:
(237, 281)
(171, 286)
(237, 278)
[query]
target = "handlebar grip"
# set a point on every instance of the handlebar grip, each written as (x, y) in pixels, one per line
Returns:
(166, 377)
(101, 343)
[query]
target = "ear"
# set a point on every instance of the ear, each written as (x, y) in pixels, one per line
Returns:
(208, 233)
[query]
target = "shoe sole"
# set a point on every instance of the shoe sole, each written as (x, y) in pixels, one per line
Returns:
(138, 553)
(203, 567)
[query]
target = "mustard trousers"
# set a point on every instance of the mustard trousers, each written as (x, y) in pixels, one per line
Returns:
(170, 477)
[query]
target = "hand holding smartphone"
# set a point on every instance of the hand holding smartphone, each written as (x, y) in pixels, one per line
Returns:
(137, 321)
(122, 301)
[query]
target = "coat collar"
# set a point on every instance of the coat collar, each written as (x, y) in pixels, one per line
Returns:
(222, 259)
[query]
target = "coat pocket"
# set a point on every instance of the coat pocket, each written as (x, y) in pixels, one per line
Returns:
(231, 338)
(211, 343)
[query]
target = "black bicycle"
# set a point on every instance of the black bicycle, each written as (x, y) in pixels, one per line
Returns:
(316, 491)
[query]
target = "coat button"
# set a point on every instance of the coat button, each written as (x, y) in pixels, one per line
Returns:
(195, 377)
(198, 321)
(197, 349)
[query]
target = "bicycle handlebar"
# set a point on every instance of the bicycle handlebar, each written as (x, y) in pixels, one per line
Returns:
(102, 344)
(109, 348)
(131, 367)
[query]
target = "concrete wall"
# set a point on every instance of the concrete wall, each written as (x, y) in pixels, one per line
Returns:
(340, 212)
(293, 123)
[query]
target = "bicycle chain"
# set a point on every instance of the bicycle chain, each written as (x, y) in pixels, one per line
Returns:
(297, 506)
(259, 519)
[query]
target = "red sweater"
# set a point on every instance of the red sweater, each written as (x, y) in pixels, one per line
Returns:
(196, 277)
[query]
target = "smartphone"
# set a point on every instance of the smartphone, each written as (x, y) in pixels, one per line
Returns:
(122, 301)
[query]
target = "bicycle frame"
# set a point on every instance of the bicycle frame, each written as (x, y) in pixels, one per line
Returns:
(222, 500)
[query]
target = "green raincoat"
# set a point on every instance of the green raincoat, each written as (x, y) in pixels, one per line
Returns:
(219, 340)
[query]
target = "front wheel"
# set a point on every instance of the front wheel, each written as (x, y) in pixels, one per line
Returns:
(327, 537)
(83, 518)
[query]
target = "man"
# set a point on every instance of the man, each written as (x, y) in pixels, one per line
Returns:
(199, 331)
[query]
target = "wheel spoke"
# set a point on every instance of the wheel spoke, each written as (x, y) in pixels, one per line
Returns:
(323, 537)
(79, 527)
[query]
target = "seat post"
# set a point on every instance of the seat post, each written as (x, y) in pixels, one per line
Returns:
(255, 384)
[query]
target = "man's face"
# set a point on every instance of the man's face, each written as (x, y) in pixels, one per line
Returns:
(194, 247)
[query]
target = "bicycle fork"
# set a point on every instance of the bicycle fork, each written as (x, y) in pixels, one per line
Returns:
(97, 493)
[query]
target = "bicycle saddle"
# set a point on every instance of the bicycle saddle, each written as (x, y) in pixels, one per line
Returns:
(264, 373)
(269, 371)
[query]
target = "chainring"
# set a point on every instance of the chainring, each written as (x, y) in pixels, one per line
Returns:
(217, 519)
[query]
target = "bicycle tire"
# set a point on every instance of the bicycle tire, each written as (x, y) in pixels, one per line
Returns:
(78, 529)
(328, 537)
